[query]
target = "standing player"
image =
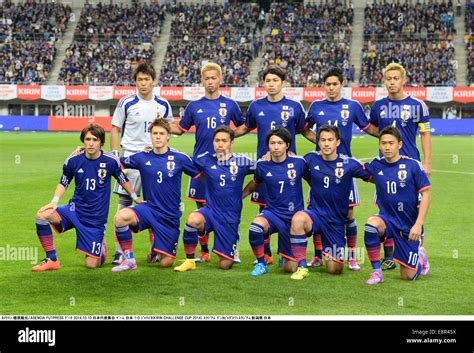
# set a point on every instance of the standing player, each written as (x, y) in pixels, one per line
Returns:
(282, 176)
(343, 113)
(409, 115)
(206, 114)
(88, 208)
(398, 181)
(331, 182)
(130, 122)
(267, 113)
(161, 171)
(224, 174)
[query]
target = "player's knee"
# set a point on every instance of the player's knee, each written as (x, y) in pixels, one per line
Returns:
(92, 263)
(334, 268)
(375, 222)
(299, 220)
(406, 274)
(41, 216)
(120, 219)
(290, 266)
(261, 222)
(195, 220)
(166, 261)
(225, 264)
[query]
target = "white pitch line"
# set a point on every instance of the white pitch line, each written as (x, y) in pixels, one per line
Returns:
(451, 171)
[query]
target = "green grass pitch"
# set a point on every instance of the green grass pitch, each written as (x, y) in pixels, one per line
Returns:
(30, 166)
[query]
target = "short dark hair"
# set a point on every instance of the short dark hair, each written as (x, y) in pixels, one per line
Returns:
(96, 130)
(160, 122)
(391, 130)
(329, 128)
(280, 132)
(146, 69)
(275, 70)
(334, 71)
(226, 129)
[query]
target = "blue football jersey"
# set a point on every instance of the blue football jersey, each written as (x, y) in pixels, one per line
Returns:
(284, 185)
(398, 185)
(407, 115)
(342, 114)
(92, 177)
(331, 183)
(206, 114)
(224, 181)
(161, 176)
(265, 115)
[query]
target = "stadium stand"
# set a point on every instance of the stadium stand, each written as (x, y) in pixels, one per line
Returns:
(469, 20)
(223, 33)
(420, 36)
(28, 34)
(307, 40)
(109, 40)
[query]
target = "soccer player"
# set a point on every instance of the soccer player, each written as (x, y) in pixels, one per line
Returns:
(343, 113)
(88, 208)
(282, 176)
(409, 115)
(130, 123)
(161, 171)
(224, 173)
(331, 175)
(206, 114)
(398, 181)
(267, 113)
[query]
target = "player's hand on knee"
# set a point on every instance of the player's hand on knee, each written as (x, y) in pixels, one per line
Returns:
(139, 200)
(50, 206)
(415, 232)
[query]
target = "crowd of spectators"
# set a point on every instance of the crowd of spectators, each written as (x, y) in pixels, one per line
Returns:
(103, 62)
(109, 41)
(469, 20)
(425, 20)
(420, 36)
(427, 63)
(136, 22)
(308, 39)
(222, 33)
(28, 34)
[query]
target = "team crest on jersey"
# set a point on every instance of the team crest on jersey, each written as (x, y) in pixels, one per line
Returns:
(285, 115)
(402, 177)
(344, 116)
(292, 176)
(405, 115)
(339, 173)
(234, 169)
(192, 191)
(102, 174)
(222, 112)
(170, 165)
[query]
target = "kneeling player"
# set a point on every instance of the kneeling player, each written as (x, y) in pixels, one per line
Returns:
(161, 172)
(398, 180)
(282, 176)
(331, 182)
(224, 174)
(88, 208)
